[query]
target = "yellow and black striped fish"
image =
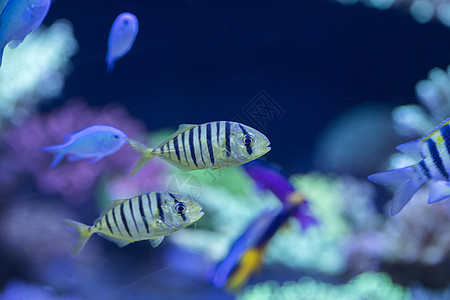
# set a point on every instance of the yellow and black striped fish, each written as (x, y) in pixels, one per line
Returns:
(432, 153)
(150, 216)
(213, 145)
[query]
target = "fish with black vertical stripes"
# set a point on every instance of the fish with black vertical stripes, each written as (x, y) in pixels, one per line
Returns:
(149, 216)
(213, 145)
(432, 153)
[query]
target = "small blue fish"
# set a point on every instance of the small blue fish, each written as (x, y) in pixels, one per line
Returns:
(121, 38)
(93, 142)
(18, 19)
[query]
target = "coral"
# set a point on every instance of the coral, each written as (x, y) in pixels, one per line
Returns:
(364, 286)
(418, 234)
(422, 11)
(322, 246)
(419, 293)
(434, 93)
(32, 234)
(35, 70)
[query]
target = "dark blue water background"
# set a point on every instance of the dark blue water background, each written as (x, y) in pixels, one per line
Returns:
(196, 61)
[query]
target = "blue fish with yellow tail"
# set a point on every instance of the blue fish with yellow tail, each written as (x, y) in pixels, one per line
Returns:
(94, 142)
(150, 216)
(433, 155)
(246, 255)
(267, 177)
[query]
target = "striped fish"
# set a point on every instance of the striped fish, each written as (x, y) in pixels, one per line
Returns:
(212, 145)
(150, 216)
(432, 153)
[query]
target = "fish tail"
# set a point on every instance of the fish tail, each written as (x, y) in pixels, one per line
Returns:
(404, 181)
(109, 64)
(250, 262)
(59, 154)
(84, 233)
(146, 154)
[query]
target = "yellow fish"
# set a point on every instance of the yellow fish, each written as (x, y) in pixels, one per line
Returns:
(213, 145)
(150, 216)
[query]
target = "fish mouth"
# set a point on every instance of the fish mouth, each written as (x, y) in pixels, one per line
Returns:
(197, 215)
(268, 148)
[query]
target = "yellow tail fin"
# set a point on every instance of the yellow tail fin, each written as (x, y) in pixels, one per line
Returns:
(83, 231)
(250, 262)
(146, 154)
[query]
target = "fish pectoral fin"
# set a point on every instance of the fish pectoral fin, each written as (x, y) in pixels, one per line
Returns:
(176, 164)
(155, 242)
(117, 241)
(58, 157)
(14, 43)
(181, 128)
(74, 157)
(438, 190)
(412, 149)
(218, 168)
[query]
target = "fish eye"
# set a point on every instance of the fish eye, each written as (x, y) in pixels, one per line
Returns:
(247, 140)
(115, 137)
(179, 208)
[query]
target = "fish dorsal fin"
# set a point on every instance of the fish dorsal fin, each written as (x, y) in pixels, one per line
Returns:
(412, 149)
(181, 128)
(68, 136)
(118, 242)
(155, 242)
(111, 206)
(432, 132)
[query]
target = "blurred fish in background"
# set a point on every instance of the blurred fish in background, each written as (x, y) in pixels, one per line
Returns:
(268, 178)
(121, 38)
(18, 19)
(246, 255)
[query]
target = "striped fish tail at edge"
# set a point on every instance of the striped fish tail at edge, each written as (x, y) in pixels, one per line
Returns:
(404, 181)
(84, 233)
(145, 152)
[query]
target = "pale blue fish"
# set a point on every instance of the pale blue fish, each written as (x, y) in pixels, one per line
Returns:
(18, 19)
(121, 38)
(94, 142)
